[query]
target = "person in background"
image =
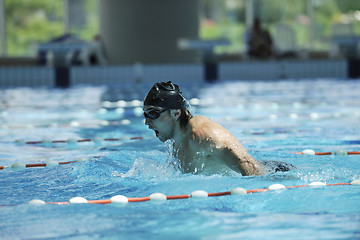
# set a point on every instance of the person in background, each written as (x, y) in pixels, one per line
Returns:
(259, 41)
(93, 52)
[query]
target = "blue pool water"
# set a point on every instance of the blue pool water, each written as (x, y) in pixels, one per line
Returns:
(273, 120)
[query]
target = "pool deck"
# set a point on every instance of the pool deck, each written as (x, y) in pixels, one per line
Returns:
(27, 73)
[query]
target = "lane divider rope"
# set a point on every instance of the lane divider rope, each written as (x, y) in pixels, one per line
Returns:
(270, 132)
(199, 194)
(338, 152)
(99, 139)
(52, 163)
(73, 124)
(96, 139)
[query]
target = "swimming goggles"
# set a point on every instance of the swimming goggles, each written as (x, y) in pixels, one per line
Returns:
(154, 113)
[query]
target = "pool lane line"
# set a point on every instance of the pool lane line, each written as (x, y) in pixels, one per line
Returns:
(270, 132)
(196, 194)
(339, 152)
(80, 140)
(20, 166)
(105, 201)
(257, 190)
(199, 194)
(138, 199)
(353, 153)
(176, 197)
(216, 194)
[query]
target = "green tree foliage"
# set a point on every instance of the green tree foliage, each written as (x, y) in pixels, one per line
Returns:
(92, 17)
(84, 20)
(29, 22)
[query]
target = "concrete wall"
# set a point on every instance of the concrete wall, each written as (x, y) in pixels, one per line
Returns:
(147, 31)
(292, 69)
(184, 72)
(27, 77)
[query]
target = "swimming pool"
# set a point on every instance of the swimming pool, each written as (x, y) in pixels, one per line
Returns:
(272, 119)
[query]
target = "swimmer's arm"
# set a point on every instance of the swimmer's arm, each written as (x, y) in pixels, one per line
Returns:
(246, 163)
(236, 154)
(213, 137)
(230, 150)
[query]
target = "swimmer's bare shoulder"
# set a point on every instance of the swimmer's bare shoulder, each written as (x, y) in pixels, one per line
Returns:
(214, 138)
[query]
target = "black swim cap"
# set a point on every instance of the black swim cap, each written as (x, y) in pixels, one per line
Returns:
(166, 95)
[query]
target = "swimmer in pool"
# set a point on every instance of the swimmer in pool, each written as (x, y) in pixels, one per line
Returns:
(200, 145)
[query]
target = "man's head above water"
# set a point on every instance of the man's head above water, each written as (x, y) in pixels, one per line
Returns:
(166, 110)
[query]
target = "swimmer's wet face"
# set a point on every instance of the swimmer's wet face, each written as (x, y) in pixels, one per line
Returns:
(160, 122)
(161, 97)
